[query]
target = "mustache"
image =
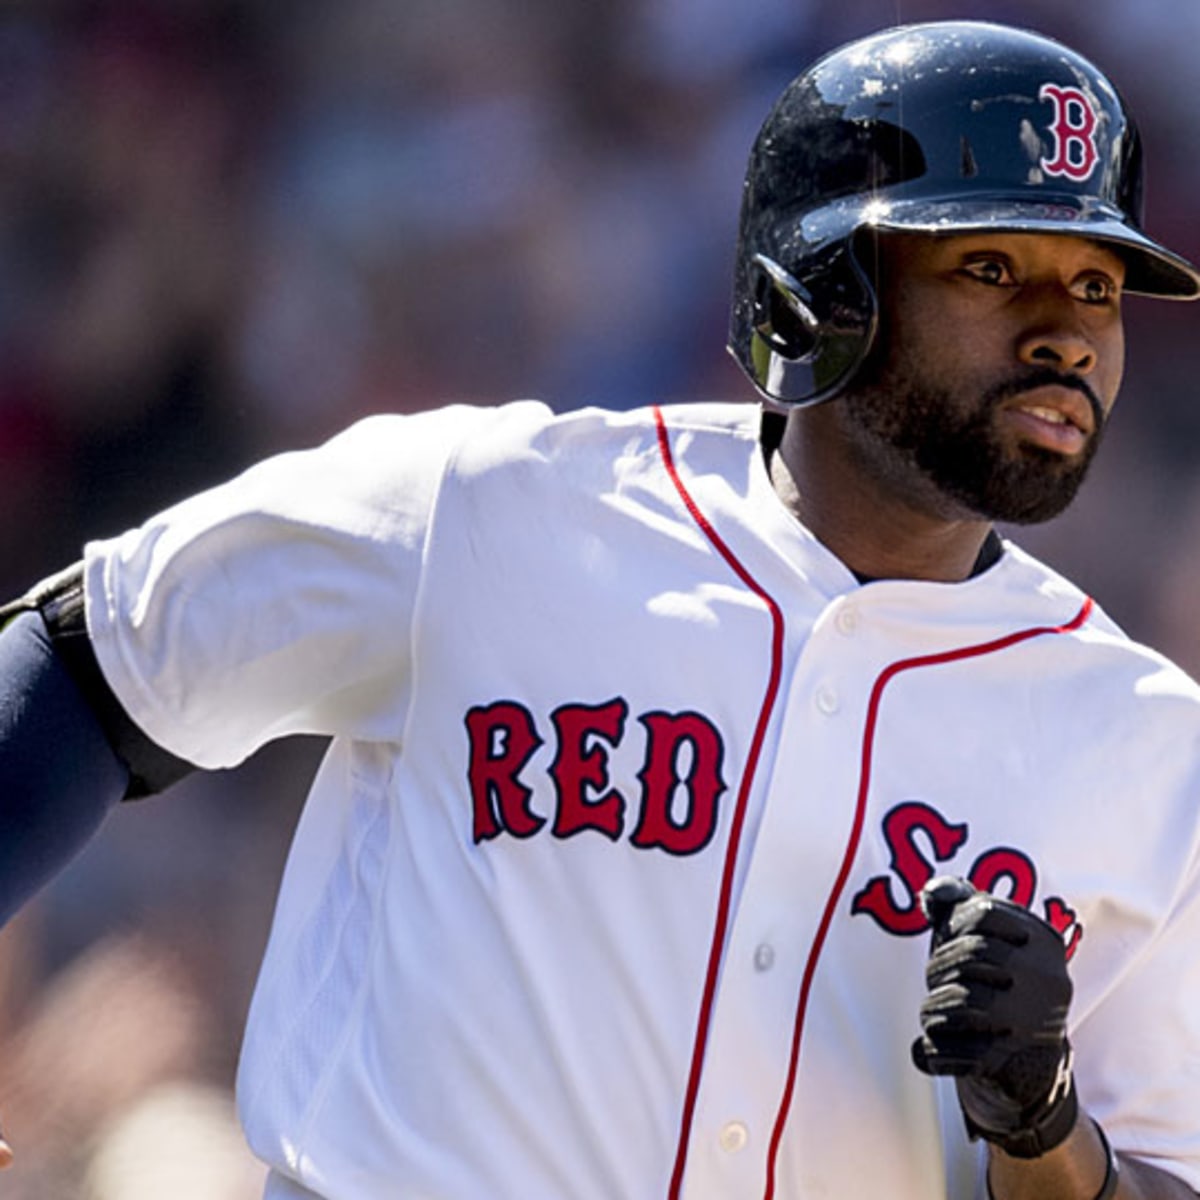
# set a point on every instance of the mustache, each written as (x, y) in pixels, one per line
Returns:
(1038, 377)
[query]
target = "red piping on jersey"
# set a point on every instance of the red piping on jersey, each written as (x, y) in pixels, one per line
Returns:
(864, 783)
(731, 853)
(739, 813)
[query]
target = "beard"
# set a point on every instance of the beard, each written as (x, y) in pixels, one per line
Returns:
(927, 441)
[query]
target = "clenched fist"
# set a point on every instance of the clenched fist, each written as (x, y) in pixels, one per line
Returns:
(995, 1017)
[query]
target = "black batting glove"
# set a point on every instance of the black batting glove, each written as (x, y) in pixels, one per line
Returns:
(995, 1017)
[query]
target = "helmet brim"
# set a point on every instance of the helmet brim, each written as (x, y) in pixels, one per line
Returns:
(1152, 270)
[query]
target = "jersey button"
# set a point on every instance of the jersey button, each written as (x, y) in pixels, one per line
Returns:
(847, 620)
(764, 957)
(733, 1137)
(827, 700)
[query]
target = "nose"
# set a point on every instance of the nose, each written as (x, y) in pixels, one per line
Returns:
(1055, 337)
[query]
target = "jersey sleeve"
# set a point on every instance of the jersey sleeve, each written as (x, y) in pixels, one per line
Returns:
(1137, 1054)
(280, 602)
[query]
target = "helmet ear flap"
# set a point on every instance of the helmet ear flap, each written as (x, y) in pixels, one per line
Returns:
(782, 312)
(800, 342)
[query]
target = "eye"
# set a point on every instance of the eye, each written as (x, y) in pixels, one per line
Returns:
(1095, 289)
(993, 271)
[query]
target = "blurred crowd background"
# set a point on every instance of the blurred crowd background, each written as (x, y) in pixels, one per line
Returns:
(230, 227)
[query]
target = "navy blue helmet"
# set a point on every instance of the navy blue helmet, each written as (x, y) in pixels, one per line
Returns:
(946, 127)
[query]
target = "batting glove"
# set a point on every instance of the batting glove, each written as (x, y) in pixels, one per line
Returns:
(995, 1017)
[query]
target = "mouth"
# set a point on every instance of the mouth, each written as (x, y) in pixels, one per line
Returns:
(1055, 417)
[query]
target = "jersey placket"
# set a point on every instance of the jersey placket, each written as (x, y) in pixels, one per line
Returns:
(792, 886)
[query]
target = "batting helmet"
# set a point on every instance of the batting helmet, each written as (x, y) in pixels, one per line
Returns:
(946, 127)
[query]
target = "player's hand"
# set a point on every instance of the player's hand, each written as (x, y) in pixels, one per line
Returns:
(6, 1154)
(995, 1017)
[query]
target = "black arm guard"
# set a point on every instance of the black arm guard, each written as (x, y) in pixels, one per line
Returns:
(59, 600)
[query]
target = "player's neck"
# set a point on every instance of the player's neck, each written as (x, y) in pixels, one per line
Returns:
(876, 533)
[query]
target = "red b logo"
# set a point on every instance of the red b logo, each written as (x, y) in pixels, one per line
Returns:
(1074, 132)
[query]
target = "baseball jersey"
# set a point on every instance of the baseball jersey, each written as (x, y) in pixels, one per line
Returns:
(607, 884)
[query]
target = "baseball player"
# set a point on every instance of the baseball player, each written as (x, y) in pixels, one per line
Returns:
(717, 806)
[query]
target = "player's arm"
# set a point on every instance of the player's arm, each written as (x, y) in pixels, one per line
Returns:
(995, 1018)
(68, 750)
(1084, 1166)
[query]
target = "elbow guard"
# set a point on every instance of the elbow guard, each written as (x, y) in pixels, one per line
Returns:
(60, 602)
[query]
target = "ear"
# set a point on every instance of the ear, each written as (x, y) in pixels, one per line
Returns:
(782, 313)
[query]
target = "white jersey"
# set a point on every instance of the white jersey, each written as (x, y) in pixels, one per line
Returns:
(606, 887)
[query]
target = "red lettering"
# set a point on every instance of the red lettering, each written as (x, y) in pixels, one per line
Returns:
(502, 739)
(661, 825)
(578, 768)
(1000, 871)
(1005, 863)
(1064, 919)
(900, 829)
(1074, 132)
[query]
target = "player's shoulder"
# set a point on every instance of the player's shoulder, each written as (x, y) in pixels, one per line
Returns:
(1097, 637)
(531, 420)
(530, 431)
(467, 441)
(1020, 574)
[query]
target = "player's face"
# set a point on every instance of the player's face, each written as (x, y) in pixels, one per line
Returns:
(999, 359)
